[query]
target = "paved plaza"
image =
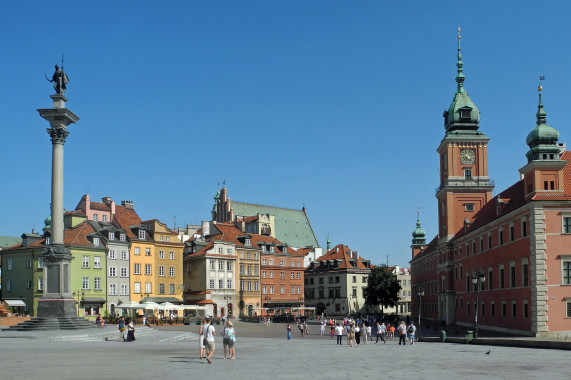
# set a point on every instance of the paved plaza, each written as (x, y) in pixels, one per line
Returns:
(262, 352)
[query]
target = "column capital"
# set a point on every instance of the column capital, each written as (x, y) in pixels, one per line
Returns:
(58, 135)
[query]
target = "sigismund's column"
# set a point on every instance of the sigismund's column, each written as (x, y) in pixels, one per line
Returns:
(57, 301)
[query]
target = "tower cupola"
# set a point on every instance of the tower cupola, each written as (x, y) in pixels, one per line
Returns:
(418, 235)
(542, 140)
(462, 114)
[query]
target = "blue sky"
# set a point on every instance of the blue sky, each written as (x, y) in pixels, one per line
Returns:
(333, 104)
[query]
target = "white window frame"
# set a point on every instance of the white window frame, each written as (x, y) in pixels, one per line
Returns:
(142, 234)
(137, 287)
(124, 255)
(124, 289)
(85, 261)
(112, 289)
(111, 235)
(148, 287)
(96, 283)
(123, 272)
(85, 283)
(161, 270)
(148, 270)
(112, 254)
(171, 255)
(161, 254)
(97, 262)
(112, 271)
(171, 271)
(136, 268)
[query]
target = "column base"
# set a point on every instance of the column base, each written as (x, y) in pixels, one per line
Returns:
(56, 308)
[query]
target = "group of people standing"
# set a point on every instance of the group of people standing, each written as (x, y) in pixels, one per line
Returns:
(128, 326)
(207, 344)
(355, 333)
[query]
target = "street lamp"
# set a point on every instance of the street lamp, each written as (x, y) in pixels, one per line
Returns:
(420, 295)
(477, 280)
(79, 295)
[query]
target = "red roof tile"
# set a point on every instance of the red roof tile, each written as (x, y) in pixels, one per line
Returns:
(341, 252)
(126, 217)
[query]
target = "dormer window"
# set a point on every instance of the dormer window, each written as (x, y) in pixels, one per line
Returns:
(263, 248)
(111, 235)
(48, 240)
(122, 237)
(247, 243)
(96, 241)
(285, 250)
(465, 114)
(271, 248)
(142, 234)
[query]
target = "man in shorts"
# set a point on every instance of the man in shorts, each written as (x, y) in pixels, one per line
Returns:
(208, 333)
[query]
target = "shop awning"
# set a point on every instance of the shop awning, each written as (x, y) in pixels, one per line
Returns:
(93, 300)
(15, 303)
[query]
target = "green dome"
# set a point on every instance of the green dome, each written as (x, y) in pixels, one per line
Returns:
(48, 221)
(542, 140)
(418, 233)
(542, 134)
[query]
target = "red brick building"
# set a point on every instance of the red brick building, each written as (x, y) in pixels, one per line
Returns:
(504, 261)
(282, 276)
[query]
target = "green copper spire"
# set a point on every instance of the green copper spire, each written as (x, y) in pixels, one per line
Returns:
(328, 243)
(542, 140)
(418, 235)
(463, 115)
(460, 78)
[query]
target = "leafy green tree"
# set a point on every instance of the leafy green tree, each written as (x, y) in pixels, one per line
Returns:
(382, 287)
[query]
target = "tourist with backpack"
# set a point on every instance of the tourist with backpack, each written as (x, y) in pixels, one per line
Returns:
(411, 331)
(121, 327)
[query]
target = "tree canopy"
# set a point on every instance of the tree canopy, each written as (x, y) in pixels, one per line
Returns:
(382, 287)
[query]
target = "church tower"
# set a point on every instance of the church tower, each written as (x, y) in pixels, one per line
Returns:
(465, 186)
(543, 174)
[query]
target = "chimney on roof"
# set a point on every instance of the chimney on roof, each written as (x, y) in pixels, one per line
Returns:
(357, 255)
(350, 254)
(111, 203)
(128, 204)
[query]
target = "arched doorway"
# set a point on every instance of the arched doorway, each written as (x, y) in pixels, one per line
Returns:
(250, 310)
(112, 309)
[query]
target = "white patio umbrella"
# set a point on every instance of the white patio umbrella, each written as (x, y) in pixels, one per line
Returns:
(130, 305)
(168, 306)
(150, 305)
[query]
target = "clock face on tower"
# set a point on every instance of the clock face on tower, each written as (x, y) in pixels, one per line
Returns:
(467, 156)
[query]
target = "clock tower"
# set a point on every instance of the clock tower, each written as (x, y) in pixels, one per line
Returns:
(465, 186)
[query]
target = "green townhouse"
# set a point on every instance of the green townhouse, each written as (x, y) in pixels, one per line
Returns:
(23, 275)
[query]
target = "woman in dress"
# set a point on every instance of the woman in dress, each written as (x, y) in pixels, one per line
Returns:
(130, 330)
(351, 336)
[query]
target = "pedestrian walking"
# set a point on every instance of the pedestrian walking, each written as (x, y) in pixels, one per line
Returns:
(322, 327)
(402, 333)
(351, 336)
(339, 332)
(122, 328)
(225, 341)
(208, 332)
(231, 333)
(288, 327)
(130, 330)
(357, 334)
(411, 332)
(201, 340)
(364, 333)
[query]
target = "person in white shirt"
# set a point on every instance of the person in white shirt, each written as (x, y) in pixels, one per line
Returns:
(339, 332)
(208, 333)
